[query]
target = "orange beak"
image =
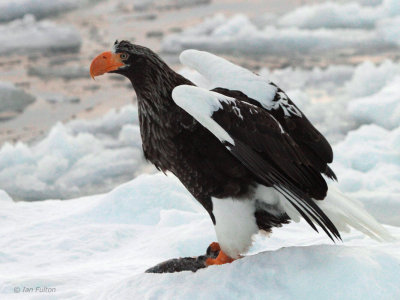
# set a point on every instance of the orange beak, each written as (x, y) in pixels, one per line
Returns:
(105, 62)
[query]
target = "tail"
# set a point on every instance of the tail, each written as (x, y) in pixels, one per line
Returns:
(345, 212)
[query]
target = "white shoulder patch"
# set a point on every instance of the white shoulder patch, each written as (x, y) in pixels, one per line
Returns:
(288, 109)
(201, 104)
(222, 73)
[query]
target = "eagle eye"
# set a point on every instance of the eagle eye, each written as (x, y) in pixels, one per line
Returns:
(124, 55)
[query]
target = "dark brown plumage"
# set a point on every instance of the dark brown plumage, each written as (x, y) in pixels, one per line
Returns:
(277, 148)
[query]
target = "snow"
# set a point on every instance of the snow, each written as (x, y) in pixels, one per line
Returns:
(291, 78)
(71, 72)
(14, 9)
(13, 99)
(382, 108)
(98, 247)
(389, 29)
(221, 35)
(343, 95)
(340, 15)
(332, 15)
(316, 28)
(145, 5)
(59, 98)
(27, 35)
(367, 163)
(78, 158)
(5, 197)
(369, 78)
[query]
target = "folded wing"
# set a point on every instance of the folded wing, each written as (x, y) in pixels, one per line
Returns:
(259, 141)
(234, 81)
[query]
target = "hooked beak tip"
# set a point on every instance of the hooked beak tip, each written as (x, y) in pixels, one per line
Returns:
(104, 63)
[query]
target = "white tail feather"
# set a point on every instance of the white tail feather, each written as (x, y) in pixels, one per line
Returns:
(344, 212)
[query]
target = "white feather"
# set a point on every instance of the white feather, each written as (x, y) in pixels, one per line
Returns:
(222, 73)
(201, 104)
(344, 212)
(235, 224)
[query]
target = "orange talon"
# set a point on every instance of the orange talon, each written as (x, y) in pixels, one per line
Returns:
(214, 247)
(221, 259)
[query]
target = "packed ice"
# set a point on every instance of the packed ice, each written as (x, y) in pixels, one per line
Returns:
(15, 9)
(13, 100)
(340, 15)
(77, 158)
(24, 36)
(318, 28)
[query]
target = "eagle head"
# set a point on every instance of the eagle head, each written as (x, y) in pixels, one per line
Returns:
(123, 59)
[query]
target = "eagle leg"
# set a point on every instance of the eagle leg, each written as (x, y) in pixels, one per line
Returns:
(221, 259)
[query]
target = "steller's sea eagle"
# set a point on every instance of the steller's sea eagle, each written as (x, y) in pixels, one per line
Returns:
(244, 150)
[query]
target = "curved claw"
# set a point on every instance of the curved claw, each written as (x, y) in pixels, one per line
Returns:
(221, 259)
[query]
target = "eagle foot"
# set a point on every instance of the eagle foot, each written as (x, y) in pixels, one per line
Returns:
(220, 259)
(213, 250)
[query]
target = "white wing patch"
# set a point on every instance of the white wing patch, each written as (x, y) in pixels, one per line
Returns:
(288, 109)
(201, 104)
(222, 73)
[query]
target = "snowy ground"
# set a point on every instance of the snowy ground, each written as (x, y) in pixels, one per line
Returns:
(98, 248)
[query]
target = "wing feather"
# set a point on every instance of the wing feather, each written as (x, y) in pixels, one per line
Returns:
(260, 143)
(237, 82)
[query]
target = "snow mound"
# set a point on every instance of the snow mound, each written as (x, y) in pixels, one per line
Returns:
(367, 163)
(79, 158)
(98, 247)
(275, 274)
(382, 108)
(26, 35)
(109, 124)
(5, 197)
(122, 206)
(369, 78)
(12, 100)
(389, 29)
(340, 15)
(16, 9)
